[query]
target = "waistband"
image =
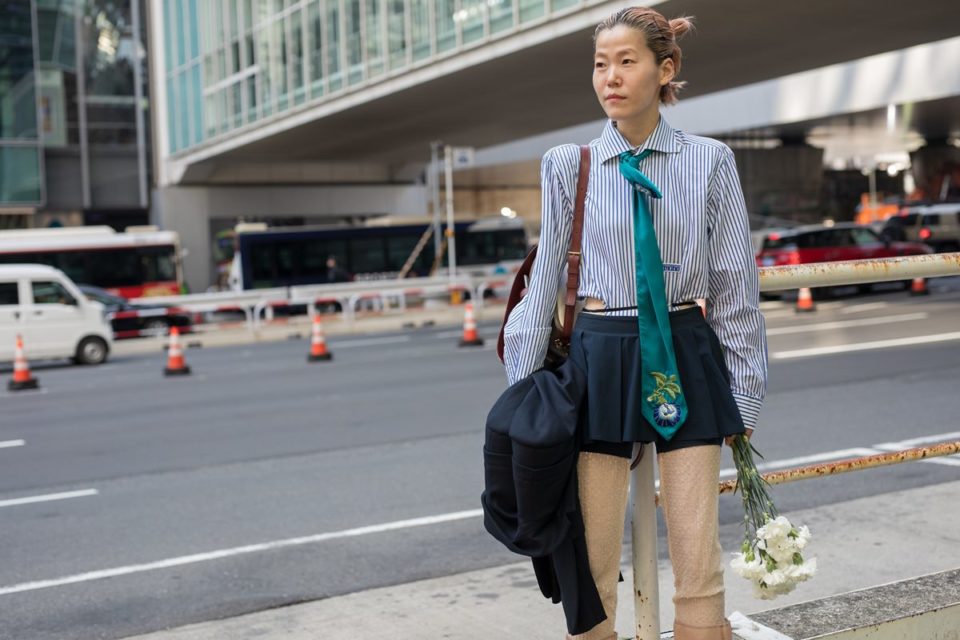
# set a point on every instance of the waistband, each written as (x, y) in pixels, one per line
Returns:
(599, 323)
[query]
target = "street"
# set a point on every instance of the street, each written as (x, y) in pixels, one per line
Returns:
(130, 502)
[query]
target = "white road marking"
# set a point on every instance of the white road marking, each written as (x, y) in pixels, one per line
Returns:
(914, 442)
(751, 630)
(772, 304)
(48, 497)
(367, 342)
(866, 346)
(12, 443)
(843, 324)
(868, 306)
(236, 551)
(776, 315)
(446, 335)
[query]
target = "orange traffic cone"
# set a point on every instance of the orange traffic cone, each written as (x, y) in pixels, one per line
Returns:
(919, 287)
(805, 301)
(176, 366)
(22, 379)
(318, 343)
(470, 337)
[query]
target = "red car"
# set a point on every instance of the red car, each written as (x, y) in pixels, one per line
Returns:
(822, 243)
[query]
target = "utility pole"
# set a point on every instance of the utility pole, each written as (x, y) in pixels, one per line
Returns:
(451, 237)
(435, 197)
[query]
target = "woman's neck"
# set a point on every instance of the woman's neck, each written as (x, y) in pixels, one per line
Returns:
(637, 130)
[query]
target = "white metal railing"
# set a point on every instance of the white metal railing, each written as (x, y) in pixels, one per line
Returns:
(644, 526)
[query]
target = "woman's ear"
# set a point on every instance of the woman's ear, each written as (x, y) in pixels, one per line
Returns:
(667, 72)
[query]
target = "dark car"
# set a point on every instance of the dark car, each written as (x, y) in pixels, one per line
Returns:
(829, 243)
(130, 320)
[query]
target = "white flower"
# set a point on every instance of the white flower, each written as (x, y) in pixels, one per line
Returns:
(773, 561)
(775, 529)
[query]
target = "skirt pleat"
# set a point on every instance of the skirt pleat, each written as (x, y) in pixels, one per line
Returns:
(607, 349)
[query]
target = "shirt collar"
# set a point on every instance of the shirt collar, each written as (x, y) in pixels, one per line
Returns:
(612, 143)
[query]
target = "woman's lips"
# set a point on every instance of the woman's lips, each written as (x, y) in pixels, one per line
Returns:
(614, 98)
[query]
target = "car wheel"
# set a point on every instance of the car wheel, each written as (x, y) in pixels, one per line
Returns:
(91, 350)
(155, 326)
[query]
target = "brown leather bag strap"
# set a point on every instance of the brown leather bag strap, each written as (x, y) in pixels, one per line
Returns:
(576, 240)
(573, 261)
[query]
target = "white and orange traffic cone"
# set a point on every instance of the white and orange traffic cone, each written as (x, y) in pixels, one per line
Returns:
(918, 287)
(805, 301)
(318, 343)
(176, 366)
(22, 380)
(470, 336)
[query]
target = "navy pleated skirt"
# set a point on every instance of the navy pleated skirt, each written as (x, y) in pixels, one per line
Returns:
(607, 349)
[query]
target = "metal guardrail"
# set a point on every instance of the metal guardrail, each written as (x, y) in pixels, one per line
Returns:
(646, 586)
(394, 296)
(827, 274)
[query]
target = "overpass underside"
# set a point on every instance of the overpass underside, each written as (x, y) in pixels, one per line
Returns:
(535, 78)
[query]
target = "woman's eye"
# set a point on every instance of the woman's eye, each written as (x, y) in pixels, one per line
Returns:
(627, 61)
(599, 65)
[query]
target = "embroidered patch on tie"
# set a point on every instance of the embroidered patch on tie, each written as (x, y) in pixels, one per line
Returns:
(667, 266)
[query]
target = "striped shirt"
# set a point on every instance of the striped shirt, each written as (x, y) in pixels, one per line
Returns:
(704, 237)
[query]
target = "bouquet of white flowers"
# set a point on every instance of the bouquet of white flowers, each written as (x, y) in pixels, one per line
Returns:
(771, 556)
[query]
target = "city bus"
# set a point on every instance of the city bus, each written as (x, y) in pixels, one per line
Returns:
(136, 263)
(287, 256)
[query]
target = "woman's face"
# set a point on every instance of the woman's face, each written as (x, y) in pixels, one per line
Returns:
(626, 76)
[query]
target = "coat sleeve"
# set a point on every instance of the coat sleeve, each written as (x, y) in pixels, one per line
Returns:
(734, 290)
(527, 332)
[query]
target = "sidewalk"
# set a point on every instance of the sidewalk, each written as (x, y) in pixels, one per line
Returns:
(859, 544)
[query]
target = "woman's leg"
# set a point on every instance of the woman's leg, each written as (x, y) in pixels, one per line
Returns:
(689, 497)
(603, 481)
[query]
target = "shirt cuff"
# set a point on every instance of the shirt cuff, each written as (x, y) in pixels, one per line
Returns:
(749, 409)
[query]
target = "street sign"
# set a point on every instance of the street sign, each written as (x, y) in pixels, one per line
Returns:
(462, 157)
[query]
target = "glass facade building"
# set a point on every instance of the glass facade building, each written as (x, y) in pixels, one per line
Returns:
(230, 63)
(73, 128)
(20, 153)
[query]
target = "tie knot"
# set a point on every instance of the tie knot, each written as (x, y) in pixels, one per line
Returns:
(630, 169)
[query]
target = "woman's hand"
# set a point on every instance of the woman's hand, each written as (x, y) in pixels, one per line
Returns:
(729, 439)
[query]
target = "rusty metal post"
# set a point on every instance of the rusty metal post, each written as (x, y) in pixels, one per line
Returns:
(826, 274)
(646, 581)
(853, 464)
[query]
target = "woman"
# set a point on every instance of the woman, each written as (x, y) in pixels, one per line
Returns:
(657, 370)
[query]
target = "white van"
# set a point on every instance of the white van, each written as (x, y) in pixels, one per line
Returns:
(44, 306)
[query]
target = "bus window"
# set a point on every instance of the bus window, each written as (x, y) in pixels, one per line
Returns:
(399, 249)
(74, 264)
(314, 255)
(287, 259)
(116, 268)
(479, 247)
(262, 265)
(367, 255)
(511, 245)
(158, 264)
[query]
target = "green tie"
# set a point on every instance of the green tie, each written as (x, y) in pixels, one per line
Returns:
(664, 406)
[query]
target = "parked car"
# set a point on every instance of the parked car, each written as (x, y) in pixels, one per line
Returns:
(133, 320)
(936, 225)
(44, 306)
(829, 243)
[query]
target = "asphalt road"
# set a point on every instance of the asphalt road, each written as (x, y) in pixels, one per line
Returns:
(261, 481)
